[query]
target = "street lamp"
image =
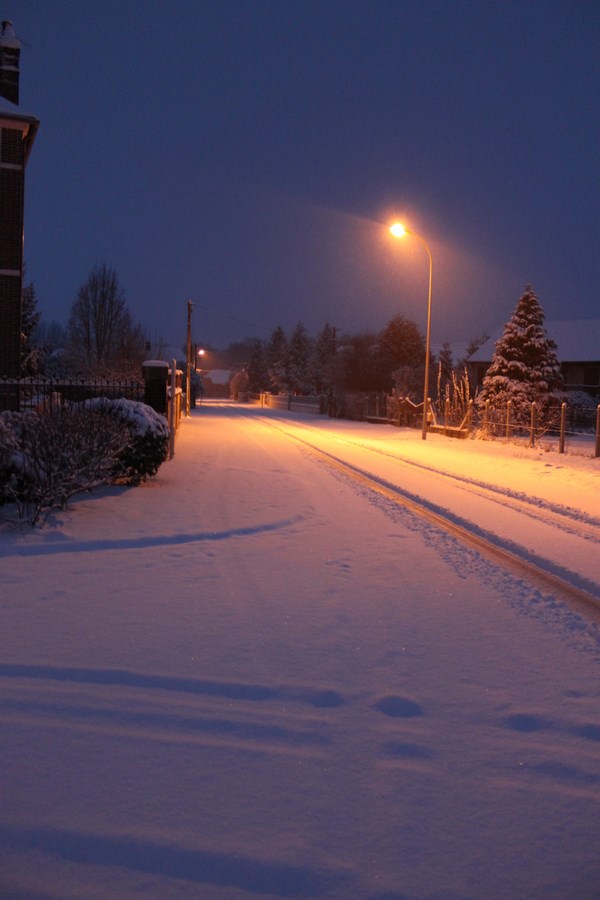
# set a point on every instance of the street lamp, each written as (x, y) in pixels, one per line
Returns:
(399, 231)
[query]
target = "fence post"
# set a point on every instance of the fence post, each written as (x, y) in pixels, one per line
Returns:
(597, 447)
(469, 416)
(486, 413)
(172, 409)
(447, 412)
(507, 431)
(532, 436)
(156, 376)
(563, 420)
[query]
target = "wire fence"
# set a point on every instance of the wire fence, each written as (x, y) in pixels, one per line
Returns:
(572, 426)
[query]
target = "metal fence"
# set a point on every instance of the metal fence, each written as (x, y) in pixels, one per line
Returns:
(35, 393)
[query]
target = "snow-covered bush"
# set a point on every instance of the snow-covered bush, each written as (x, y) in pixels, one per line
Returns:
(8, 450)
(47, 458)
(581, 409)
(50, 457)
(148, 442)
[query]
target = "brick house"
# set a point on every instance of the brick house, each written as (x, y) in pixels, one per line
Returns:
(17, 134)
(578, 343)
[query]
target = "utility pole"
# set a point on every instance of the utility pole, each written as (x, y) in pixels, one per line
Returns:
(188, 379)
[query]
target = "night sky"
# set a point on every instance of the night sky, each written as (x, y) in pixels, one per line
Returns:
(248, 155)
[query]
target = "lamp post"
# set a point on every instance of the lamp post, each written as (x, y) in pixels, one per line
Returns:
(398, 230)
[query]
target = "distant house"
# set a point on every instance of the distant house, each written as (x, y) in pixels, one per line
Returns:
(216, 382)
(578, 342)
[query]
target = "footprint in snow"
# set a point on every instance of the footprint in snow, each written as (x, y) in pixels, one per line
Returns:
(400, 750)
(398, 707)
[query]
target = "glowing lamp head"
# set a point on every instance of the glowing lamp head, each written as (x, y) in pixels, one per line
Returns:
(398, 230)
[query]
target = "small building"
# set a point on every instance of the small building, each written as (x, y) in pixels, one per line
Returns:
(17, 134)
(578, 343)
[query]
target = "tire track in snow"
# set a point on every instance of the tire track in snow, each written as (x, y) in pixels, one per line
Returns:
(257, 717)
(570, 520)
(149, 855)
(562, 582)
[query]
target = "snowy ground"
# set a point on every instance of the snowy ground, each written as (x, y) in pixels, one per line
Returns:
(253, 678)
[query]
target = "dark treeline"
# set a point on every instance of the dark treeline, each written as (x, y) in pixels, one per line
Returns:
(297, 363)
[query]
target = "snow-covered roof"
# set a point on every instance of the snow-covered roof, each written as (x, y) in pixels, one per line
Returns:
(217, 376)
(458, 350)
(11, 111)
(15, 112)
(8, 37)
(578, 340)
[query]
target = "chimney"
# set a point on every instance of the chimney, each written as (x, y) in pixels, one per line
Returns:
(10, 50)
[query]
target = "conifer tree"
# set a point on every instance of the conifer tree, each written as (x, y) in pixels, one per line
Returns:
(323, 366)
(258, 370)
(30, 317)
(275, 356)
(298, 360)
(524, 368)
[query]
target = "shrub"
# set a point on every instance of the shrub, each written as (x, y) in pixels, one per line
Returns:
(46, 458)
(62, 452)
(8, 450)
(582, 409)
(148, 438)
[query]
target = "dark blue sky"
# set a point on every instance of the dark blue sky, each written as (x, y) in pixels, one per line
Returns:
(248, 154)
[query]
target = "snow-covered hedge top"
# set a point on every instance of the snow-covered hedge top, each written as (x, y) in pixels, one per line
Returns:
(139, 416)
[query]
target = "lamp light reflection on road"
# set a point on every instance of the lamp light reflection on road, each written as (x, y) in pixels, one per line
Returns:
(400, 231)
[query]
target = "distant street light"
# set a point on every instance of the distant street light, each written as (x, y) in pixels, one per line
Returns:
(399, 231)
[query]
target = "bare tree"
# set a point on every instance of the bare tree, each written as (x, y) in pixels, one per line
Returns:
(102, 338)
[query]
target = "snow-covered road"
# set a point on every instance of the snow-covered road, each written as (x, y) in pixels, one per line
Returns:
(534, 521)
(252, 677)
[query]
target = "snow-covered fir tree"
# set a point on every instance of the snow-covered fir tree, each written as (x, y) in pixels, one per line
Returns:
(524, 368)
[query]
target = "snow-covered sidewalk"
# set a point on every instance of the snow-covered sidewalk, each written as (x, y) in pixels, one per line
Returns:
(247, 678)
